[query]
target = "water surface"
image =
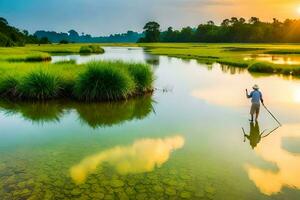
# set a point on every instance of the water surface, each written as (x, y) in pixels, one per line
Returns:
(186, 143)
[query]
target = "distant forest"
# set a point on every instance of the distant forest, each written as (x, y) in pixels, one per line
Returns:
(229, 31)
(11, 36)
(73, 36)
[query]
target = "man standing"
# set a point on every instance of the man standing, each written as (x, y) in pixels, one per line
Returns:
(256, 98)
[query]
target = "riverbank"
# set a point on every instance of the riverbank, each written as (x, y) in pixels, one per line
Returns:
(232, 54)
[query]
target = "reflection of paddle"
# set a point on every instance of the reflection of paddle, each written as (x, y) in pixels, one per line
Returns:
(270, 132)
(272, 114)
(244, 134)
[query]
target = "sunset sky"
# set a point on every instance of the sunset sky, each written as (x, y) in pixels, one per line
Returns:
(102, 17)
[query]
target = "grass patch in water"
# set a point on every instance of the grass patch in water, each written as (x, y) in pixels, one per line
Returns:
(9, 87)
(91, 49)
(142, 75)
(265, 67)
(103, 81)
(40, 85)
(94, 81)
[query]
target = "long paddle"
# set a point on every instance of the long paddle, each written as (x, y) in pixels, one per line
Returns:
(272, 115)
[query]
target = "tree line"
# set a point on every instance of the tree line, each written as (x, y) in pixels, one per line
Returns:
(11, 36)
(74, 37)
(229, 31)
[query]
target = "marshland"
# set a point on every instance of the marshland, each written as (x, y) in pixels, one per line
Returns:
(73, 148)
(155, 112)
(29, 75)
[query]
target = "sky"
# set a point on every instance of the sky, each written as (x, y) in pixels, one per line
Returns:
(104, 17)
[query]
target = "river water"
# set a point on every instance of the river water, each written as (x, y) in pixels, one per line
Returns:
(186, 143)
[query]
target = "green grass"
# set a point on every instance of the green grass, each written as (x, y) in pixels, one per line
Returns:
(9, 87)
(95, 81)
(40, 85)
(264, 67)
(91, 49)
(142, 76)
(63, 62)
(104, 81)
(31, 58)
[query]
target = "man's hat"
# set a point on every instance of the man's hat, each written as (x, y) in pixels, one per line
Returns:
(255, 87)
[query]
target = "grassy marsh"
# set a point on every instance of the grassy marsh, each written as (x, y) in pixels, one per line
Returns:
(229, 54)
(95, 81)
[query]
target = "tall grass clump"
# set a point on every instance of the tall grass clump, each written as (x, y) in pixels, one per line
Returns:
(40, 85)
(31, 58)
(142, 75)
(262, 67)
(91, 49)
(103, 81)
(9, 87)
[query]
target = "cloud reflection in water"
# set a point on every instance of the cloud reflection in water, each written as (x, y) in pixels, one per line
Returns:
(271, 182)
(142, 156)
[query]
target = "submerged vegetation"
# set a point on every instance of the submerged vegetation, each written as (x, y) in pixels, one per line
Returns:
(94, 81)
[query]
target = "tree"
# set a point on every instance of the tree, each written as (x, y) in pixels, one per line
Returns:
(3, 21)
(152, 32)
(64, 41)
(225, 23)
(254, 20)
(44, 40)
(186, 34)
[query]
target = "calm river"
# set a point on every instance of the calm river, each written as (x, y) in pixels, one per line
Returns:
(186, 143)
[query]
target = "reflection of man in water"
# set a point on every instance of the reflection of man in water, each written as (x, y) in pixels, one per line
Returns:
(254, 136)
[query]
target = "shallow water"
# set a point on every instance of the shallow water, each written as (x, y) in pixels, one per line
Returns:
(186, 143)
(276, 59)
